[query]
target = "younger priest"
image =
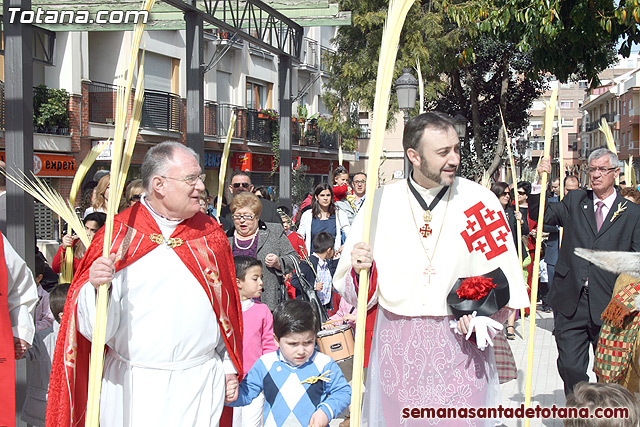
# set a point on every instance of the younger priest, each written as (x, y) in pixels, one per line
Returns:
(427, 232)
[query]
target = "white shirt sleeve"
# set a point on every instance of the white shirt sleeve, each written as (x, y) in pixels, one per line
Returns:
(87, 299)
(22, 294)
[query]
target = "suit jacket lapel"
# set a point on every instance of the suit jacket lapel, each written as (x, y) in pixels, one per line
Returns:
(586, 205)
(607, 221)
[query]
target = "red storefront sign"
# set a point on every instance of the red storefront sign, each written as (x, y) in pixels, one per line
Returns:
(317, 166)
(51, 165)
(254, 162)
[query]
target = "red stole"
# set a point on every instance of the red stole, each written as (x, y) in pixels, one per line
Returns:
(201, 245)
(7, 353)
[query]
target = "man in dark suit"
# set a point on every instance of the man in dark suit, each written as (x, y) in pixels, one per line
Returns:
(595, 219)
(240, 181)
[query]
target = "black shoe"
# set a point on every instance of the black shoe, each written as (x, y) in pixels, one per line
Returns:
(510, 335)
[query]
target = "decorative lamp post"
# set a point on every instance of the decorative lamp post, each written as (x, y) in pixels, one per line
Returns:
(521, 146)
(406, 89)
(460, 123)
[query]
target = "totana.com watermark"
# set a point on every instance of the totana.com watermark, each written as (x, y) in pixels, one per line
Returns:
(41, 16)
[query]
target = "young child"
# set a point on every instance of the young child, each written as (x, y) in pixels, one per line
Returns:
(319, 273)
(258, 331)
(43, 316)
(301, 385)
(39, 357)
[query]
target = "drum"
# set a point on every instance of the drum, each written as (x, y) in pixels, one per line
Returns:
(337, 343)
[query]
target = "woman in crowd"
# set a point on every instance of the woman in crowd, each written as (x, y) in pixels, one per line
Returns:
(92, 223)
(133, 192)
(514, 219)
(323, 216)
(101, 199)
(204, 206)
(264, 241)
(262, 192)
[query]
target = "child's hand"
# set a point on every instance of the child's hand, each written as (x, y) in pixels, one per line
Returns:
(326, 326)
(231, 388)
(318, 419)
(349, 317)
(319, 286)
(20, 347)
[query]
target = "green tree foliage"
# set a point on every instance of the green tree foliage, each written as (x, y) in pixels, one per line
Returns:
(568, 38)
(494, 81)
(477, 56)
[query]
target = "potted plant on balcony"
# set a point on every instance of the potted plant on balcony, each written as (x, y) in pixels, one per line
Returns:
(50, 110)
(268, 114)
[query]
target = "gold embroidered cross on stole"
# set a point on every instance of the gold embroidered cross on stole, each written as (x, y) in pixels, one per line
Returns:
(172, 242)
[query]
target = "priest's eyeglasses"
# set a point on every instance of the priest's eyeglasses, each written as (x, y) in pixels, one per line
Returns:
(600, 169)
(191, 179)
(246, 217)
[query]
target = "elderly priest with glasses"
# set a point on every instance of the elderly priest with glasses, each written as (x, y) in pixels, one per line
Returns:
(174, 330)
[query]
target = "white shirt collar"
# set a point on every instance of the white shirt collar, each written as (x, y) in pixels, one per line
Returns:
(427, 194)
(247, 304)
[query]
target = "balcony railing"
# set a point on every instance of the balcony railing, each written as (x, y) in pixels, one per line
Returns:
(608, 116)
(325, 53)
(160, 110)
(309, 54)
(259, 127)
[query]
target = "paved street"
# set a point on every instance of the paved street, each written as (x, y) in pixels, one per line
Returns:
(547, 385)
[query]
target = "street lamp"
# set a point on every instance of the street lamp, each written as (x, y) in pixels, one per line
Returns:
(521, 146)
(406, 89)
(460, 123)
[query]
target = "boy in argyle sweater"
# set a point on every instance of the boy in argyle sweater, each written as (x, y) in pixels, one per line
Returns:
(301, 386)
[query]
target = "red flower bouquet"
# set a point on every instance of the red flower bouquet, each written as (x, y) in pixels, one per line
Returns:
(484, 294)
(475, 288)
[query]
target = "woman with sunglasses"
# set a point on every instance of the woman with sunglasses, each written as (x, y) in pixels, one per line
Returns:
(323, 216)
(514, 219)
(265, 241)
(132, 193)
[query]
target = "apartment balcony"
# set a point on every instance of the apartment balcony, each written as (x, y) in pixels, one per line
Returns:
(51, 126)
(325, 53)
(610, 117)
(309, 55)
(217, 118)
(223, 38)
(160, 110)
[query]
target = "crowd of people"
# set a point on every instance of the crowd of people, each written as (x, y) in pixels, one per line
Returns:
(213, 317)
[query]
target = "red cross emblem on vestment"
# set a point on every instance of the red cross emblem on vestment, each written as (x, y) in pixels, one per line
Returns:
(486, 231)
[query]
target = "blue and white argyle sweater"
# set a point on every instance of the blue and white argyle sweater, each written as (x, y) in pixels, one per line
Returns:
(289, 402)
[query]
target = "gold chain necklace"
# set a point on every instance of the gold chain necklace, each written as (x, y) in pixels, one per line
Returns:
(429, 271)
